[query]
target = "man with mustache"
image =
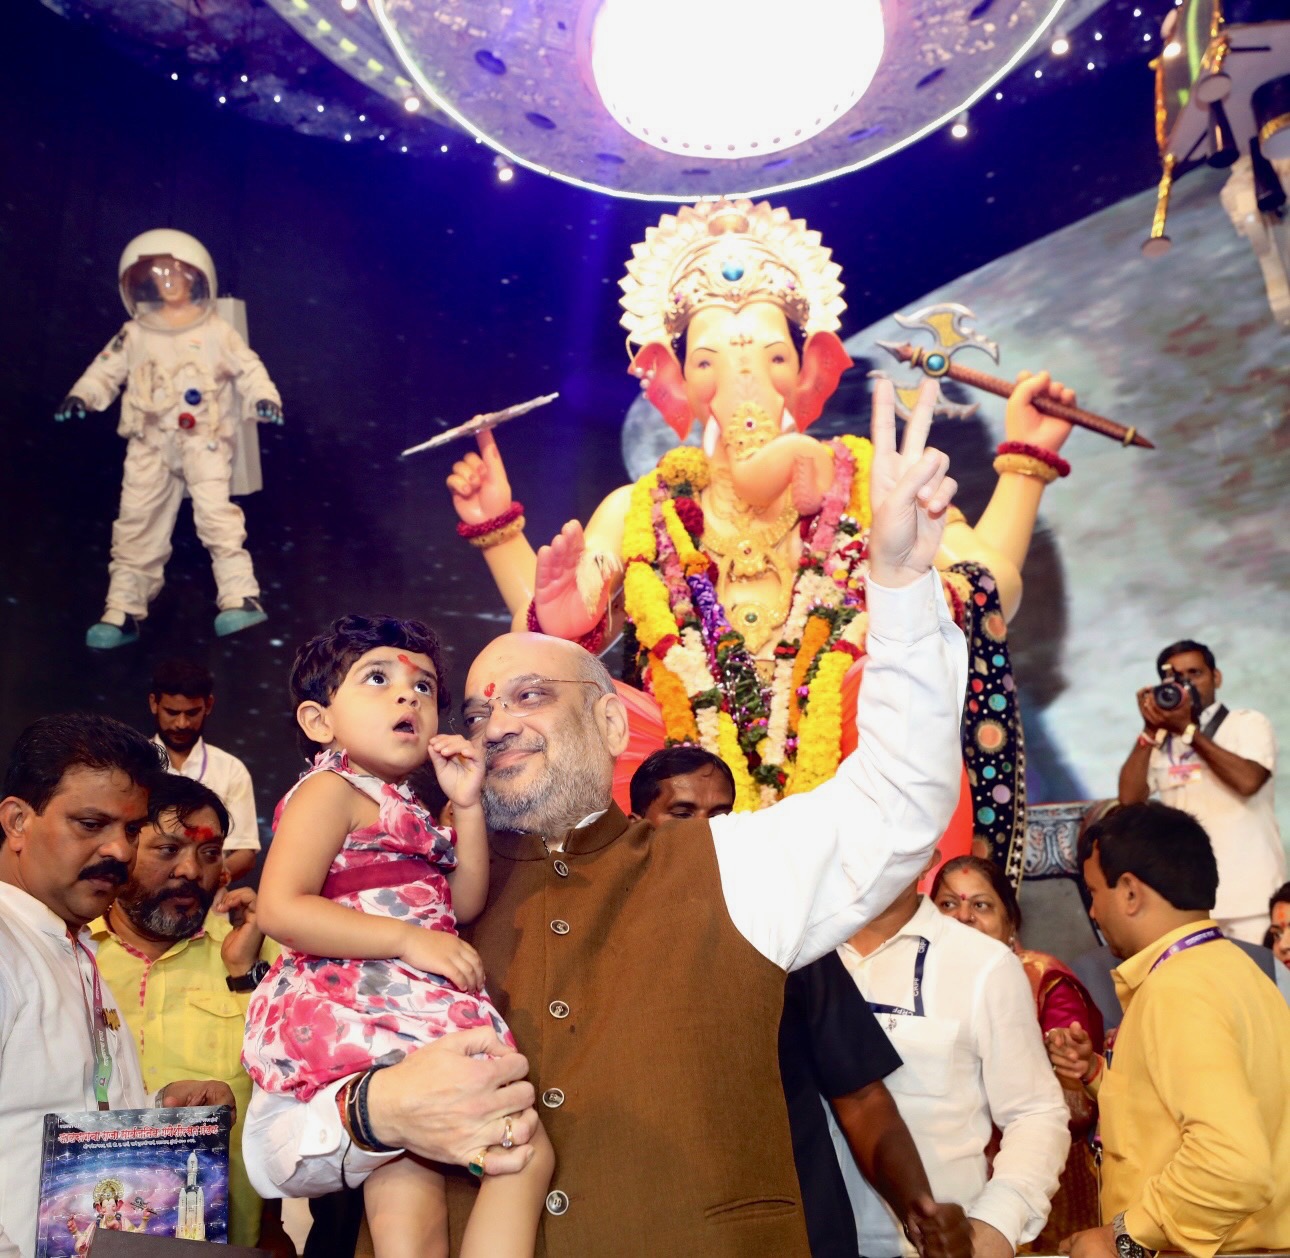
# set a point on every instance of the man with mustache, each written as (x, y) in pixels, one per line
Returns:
(181, 698)
(643, 971)
(75, 799)
(184, 978)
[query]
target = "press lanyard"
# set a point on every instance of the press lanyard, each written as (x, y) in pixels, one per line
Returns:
(201, 773)
(1195, 939)
(98, 1027)
(899, 1011)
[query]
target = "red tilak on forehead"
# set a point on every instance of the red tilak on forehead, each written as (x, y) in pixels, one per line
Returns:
(199, 834)
(488, 690)
(407, 663)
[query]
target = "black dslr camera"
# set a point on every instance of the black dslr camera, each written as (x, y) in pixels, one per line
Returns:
(1173, 692)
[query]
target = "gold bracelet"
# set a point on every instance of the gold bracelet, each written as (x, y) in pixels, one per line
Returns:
(1025, 465)
(504, 534)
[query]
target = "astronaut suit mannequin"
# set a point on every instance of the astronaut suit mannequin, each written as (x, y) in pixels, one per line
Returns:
(190, 381)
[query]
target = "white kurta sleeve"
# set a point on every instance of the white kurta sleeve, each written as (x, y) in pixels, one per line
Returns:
(801, 877)
(299, 1149)
(244, 365)
(8, 1246)
(1026, 1105)
(103, 378)
(239, 799)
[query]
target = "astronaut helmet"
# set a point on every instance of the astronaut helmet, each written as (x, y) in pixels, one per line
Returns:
(167, 279)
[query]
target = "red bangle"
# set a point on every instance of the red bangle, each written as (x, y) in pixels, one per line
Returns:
(1047, 457)
(593, 640)
(512, 513)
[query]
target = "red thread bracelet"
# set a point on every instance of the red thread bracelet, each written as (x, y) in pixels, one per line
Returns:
(512, 513)
(593, 640)
(1047, 457)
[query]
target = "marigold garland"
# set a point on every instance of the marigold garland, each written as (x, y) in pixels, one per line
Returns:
(638, 531)
(694, 561)
(685, 465)
(678, 718)
(693, 658)
(645, 597)
(859, 508)
(747, 797)
(820, 736)
(817, 633)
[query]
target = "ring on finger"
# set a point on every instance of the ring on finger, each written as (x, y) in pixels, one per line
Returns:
(508, 1137)
(476, 1164)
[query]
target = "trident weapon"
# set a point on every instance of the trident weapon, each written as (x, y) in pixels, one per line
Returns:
(481, 423)
(946, 322)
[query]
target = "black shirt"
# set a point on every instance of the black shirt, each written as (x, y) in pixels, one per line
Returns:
(830, 1045)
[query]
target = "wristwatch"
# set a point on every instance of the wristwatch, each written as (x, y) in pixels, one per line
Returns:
(249, 981)
(1125, 1245)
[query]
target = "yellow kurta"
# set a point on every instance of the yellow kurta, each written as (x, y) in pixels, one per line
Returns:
(1195, 1110)
(188, 1025)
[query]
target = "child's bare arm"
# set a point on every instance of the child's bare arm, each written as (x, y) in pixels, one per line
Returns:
(291, 908)
(459, 766)
(470, 879)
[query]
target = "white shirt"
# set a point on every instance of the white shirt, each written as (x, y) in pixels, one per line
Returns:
(228, 777)
(46, 1053)
(798, 878)
(1243, 831)
(975, 1058)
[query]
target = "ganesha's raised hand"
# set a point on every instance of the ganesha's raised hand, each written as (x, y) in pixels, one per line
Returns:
(480, 490)
(1023, 422)
(909, 488)
(572, 587)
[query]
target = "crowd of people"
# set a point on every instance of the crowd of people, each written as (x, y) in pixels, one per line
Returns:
(685, 1030)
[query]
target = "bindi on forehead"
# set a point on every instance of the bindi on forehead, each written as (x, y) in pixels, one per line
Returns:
(199, 834)
(490, 690)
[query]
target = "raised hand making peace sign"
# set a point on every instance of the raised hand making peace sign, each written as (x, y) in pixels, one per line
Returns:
(910, 490)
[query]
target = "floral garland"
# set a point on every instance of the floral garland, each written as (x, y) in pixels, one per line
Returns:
(780, 738)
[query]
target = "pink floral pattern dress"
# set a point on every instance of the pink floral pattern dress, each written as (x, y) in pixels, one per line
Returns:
(314, 1020)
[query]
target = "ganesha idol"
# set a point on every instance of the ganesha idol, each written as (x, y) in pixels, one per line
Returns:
(737, 569)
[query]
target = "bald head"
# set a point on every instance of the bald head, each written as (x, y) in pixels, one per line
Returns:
(551, 725)
(534, 654)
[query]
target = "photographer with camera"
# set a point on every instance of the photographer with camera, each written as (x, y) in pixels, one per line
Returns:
(1216, 764)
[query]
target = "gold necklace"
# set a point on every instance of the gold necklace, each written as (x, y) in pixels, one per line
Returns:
(748, 552)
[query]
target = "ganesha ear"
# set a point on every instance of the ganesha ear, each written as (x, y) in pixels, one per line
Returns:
(823, 362)
(664, 385)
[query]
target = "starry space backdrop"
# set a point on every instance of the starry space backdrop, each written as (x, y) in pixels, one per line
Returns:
(392, 294)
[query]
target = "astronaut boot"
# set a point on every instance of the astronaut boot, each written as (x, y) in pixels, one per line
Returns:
(235, 619)
(107, 633)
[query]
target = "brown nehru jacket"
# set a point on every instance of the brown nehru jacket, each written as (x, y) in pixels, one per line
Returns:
(651, 1026)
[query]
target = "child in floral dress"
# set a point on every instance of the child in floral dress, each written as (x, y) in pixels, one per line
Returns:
(364, 893)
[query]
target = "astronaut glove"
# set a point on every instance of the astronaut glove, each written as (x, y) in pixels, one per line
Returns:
(70, 408)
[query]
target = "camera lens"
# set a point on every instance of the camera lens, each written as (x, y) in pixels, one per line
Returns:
(1168, 696)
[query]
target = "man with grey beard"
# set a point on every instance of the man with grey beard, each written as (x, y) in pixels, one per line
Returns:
(182, 978)
(643, 970)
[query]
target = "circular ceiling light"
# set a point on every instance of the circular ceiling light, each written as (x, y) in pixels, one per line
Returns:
(755, 83)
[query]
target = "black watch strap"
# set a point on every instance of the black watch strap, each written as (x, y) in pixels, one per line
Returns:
(249, 981)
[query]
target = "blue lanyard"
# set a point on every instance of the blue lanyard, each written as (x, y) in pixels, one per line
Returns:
(1208, 935)
(917, 1010)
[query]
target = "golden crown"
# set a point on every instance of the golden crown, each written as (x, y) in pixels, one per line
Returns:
(728, 253)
